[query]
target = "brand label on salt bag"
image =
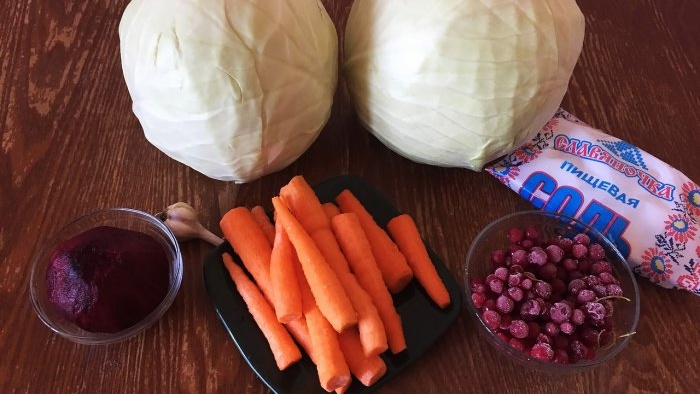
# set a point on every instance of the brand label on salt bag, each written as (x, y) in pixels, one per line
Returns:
(649, 209)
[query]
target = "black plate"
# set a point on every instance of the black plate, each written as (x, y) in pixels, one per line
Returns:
(423, 321)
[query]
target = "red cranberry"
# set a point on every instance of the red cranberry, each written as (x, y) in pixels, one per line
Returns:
(526, 284)
(582, 239)
(542, 351)
(560, 357)
(569, 264)
(600, 290)
(532, 233)
(555, 253)
(577, 317)
(537, 256)
(567, 328)
(491, 318)
(530, 309)
(514, 279)
(496, 285)
(552, 329)
(543, 289)
(543, 338)
(595, 310)
(565, 244)
(516, 294)
(548, 271)
(498, 257)
(606, 278)
(596, 252)
(560, 312)
(579, 251)
(614, 290)
(504, 304)
(578, 350)
(576, 285)
(479, 299)
(515, 234)
(501, 273)
(517, 344)
(527, 244)
(586, 295)
(519, 329)
(519, 257)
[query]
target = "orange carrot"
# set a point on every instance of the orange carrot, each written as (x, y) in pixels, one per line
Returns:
(325, 286)
(356, 247)
(331, 209)
(392, 264)
(369, 323)
(333, 371)
(263, 220)
(302, 201)
(285, 288)
(248, 240)
(300, 332)
(284, 350)
(367, 369)
(405, 232)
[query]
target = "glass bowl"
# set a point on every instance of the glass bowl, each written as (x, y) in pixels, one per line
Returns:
(119, 218)
(479, 264)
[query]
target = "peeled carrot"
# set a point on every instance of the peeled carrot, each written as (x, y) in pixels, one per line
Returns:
(285, 288)
(333, 371)
(300, 332)
(405, 232)
(248, 240)
(369, 323)
(325, 285)
(263, 220)
(367, 369)
(284, 350)
(356, 247)
(302, 201)
(392, 264)
(331, 209)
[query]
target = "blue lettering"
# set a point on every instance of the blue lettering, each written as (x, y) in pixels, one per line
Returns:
(604, 185)
(566, 200)
(537, 181)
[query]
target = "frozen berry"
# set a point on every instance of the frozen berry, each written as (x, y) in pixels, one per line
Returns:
(577, 317)
(589, 336)
(606, 278)
(576, 285)
(501, 273)
(579, 251)
(498, 257)
(614, 290)
(551, 328)
(582, 239)
(496, 285)
(578, 350)
(567, 328)
(514, 279)
(560, 357)
(543, 289)
(527, 244)
(516, 294)
(537, 256)
(560, 312)
(526, 284)
(569, 264)
(519, 257)
(492, 318)
(596, 251)
(479, 299)
(530, 309)
(543, 338)
(555, 253)
(515, 234)
(504, 304)
(542, 351)
(586, 295)
(595, 310)
(600, 290)
(478, 287)
(565, 244)
(518, 329)
(517, 344)
(591, 280)
(532, 233)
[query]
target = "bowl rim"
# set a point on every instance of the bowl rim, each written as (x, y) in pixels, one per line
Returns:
(88, 338)
(521, 357)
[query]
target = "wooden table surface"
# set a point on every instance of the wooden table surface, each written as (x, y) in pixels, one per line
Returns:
(70, 145)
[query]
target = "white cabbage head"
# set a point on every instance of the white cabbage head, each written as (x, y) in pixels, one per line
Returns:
(459, 82)
(234, 89)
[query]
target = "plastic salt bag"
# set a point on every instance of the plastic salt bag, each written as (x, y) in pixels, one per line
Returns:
(647, 208)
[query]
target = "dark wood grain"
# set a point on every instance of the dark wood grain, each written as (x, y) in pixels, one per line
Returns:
(70, 145)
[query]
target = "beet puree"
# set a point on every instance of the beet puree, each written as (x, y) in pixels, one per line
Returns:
(107, 279)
